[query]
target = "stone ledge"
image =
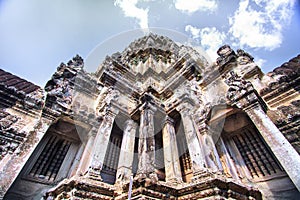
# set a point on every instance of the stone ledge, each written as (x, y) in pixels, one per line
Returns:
(84, 188)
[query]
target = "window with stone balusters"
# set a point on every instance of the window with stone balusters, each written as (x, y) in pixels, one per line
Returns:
(243, 151)
(258, 158)
(54, 157)
(51, 158)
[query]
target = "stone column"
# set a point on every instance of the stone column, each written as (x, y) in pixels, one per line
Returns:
(127, 151)
(146, 166)
(101, 143)
(86, 155)
(196, 154)
(209, 148)
(171, 157)
(279, 145)
(228, 164)
(241, 167)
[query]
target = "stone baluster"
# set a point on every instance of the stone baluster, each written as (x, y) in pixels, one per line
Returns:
(196, 154)
(146, 166)
(209, 148)
(101, 143)
(127, 151)
(279, 145)
(171, 157)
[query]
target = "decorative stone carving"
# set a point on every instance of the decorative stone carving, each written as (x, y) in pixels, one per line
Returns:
(152, 41)
(238, 89)
(195, 92)
(60, 88)
(244, 57)
(35, 98)
(106, 97)
(226, 55)
(63, 91)
(203, 112)
(10, 134)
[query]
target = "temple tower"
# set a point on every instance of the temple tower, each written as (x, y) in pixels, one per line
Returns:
(158, 121)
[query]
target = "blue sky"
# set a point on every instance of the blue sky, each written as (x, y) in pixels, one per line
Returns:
(36, 36)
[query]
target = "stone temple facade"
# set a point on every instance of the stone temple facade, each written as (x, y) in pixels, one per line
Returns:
(156, 121)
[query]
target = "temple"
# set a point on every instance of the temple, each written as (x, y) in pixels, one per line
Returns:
(156, 121)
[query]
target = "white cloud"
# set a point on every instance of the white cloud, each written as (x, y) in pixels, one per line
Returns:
(130, 9)
(262, 26)
(211, 39)
(260, 62)
(195, 32)
(190, 6)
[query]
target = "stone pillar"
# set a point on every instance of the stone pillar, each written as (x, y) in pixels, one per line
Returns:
(127, 151)
(87, 152)
(240, 166)
(279, 145)
(196, 154)
(209, 148)
(225, 158)
(146, 166)
(171, 157)
(101, 143)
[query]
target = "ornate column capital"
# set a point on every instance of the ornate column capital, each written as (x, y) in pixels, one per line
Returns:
(148, 106)
(131, 123)
(169, 120)
(112, 111)
(184, 108)
(203, 113)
